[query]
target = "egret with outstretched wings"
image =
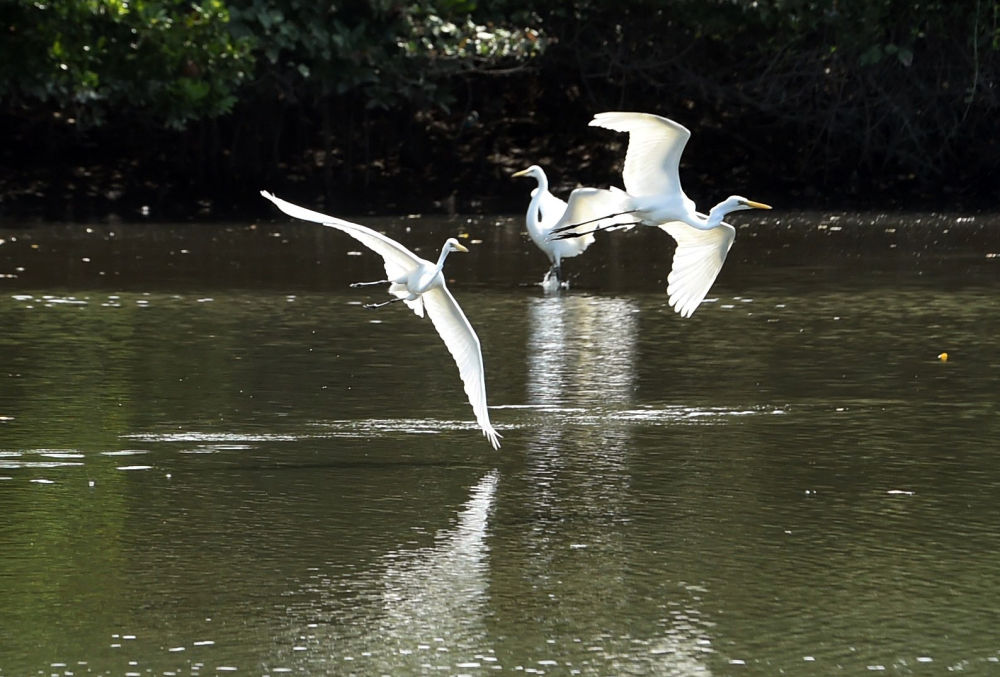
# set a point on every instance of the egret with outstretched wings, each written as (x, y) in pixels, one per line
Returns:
(653, 197)
(420, 285)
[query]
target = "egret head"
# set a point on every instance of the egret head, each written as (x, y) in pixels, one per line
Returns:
(533, 171)
(453, 245)
(737, 203)
(733, 203)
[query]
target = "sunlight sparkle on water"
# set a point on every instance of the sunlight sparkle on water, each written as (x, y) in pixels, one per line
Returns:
(727, 475)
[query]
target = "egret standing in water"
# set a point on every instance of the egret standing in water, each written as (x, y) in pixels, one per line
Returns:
(653, 197)
(420, 285)
(544, 212)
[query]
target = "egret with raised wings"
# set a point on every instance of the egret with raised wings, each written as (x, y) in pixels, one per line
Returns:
(420, 285)
(544, 212)
(653, 197)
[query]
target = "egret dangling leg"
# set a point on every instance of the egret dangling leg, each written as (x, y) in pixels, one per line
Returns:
(372, 306)
(369, 284)
(565, 236)
(599, 218)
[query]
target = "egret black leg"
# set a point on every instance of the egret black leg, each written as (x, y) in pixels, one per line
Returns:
(371, 306)
(368, 284)
(566, 236)
(599, 218)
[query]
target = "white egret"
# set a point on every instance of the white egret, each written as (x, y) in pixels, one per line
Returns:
(653, 197)
(544, 212)
(420, 285)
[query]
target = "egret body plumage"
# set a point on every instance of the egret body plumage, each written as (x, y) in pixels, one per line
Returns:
(653, 197)
(545, 211)
(419, 284)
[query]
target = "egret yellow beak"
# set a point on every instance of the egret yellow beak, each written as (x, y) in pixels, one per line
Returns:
(459, 248)
(523, 172)
(756, 205)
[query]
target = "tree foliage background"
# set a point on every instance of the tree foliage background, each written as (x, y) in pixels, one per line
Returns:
(191, 106)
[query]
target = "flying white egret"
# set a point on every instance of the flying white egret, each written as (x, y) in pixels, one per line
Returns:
(544, 212)
(653, 197)
(420, 285)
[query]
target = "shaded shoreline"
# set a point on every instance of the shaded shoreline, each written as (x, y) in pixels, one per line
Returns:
(463, 171)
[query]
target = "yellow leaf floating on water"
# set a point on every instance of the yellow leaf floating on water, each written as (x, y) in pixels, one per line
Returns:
(943, 357)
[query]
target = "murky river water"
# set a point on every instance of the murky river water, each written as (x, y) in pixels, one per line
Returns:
(213, 460)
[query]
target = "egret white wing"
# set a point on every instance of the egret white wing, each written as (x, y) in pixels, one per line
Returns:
(655, 145)
(697, 261)
(398, 259)
(463, 344)
(573, 246)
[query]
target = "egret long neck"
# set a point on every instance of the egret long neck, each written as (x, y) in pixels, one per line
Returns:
(543, 182)
(445, 250)
(534, 207)
(716, 214)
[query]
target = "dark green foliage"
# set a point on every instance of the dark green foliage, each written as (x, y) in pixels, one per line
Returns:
(826, 97)
(172, 60)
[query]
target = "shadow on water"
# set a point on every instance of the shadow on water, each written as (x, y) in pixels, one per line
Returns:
(213, 459)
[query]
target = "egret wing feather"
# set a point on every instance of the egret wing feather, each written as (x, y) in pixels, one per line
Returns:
(697, 261)
(399, 261)
(551, 210)
(655, 146)
(448, 319)
(463, 344)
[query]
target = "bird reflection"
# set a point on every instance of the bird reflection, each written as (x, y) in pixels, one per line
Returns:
(412, 610)
(579, 489)
(580, 357)
(427, 589)
(581, 351)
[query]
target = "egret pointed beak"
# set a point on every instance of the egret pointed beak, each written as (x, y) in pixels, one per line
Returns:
(756, 205)
(459, 248)
(523, 172)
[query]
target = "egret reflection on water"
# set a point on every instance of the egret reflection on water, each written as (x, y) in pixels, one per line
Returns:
(420, 608)
(581, 350)
(581, 357)
(653, 197)
(581, 370)
(420, 284)
(448, 580)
